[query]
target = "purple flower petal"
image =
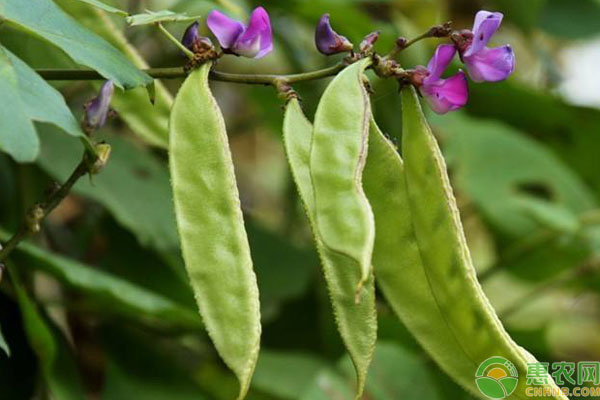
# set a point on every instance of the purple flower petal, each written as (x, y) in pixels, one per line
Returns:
(439, 62)
(257, 40)
(368, 41)
(447, 94)
(486, 24)
(97, 110)
(190, 36)
(226, 30)
(329, 41)
(491, 65)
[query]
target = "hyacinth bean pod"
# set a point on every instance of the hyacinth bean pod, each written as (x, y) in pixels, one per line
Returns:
(343, 215)
(211, 227)
(357, 323)
(433, 286)
(399, 270)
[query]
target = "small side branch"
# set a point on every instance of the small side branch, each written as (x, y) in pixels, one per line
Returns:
(91, 163)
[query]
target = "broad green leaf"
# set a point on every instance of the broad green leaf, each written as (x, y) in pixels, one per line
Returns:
(356, 322)
(42, 102)
(109, 291)
(3, 344)
(48, 21)
(498, 184)
(565, 128)
(149, 121)
(17, 133)
(106, 7)
(211, 227)
(153, 17)
(531, 196)
(286, 374)
(343, 217)
(463, 329)
(134, 186)
(58, 367)
(33, 99)
(550, 215)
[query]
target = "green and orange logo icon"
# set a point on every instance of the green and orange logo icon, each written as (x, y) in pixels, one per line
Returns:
(497, 378)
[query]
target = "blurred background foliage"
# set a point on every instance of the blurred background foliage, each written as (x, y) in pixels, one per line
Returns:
(108, 311)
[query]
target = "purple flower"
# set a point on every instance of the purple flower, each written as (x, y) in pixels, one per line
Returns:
(329, 41)
(482, 62)
(443, 95)
(253, 41)
(193, 41)
(190, 36)
(367, 43)
(97, 109)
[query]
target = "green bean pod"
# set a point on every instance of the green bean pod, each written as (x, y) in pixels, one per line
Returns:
(211, 227)
(421, 259)
(343, 215)
(357, 323)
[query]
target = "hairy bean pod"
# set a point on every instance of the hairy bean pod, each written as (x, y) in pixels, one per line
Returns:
(211, 227)
(357, 323)
(343, 216)
(422, 262)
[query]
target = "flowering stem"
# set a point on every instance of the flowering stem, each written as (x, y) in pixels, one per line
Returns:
(425, 35)
(438, 31)
(179, 72)
(176, 42)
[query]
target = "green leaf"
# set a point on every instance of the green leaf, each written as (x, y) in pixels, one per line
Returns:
(57, 364)
(106, 7)
(211, 227)
(33, 99)
(153, 17)
(499, 185)
(47, 20)
(571, 19)
(343, 216)
(4, 345)
(108, 291)
(285, 374)
(464, 330)
(356, 322)
(134, 186)
(396, 373)
(17, 133)
(524, 195)
(329, 384)
(148, 120)
(399, 374)
(565, 128)
(42, 101)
